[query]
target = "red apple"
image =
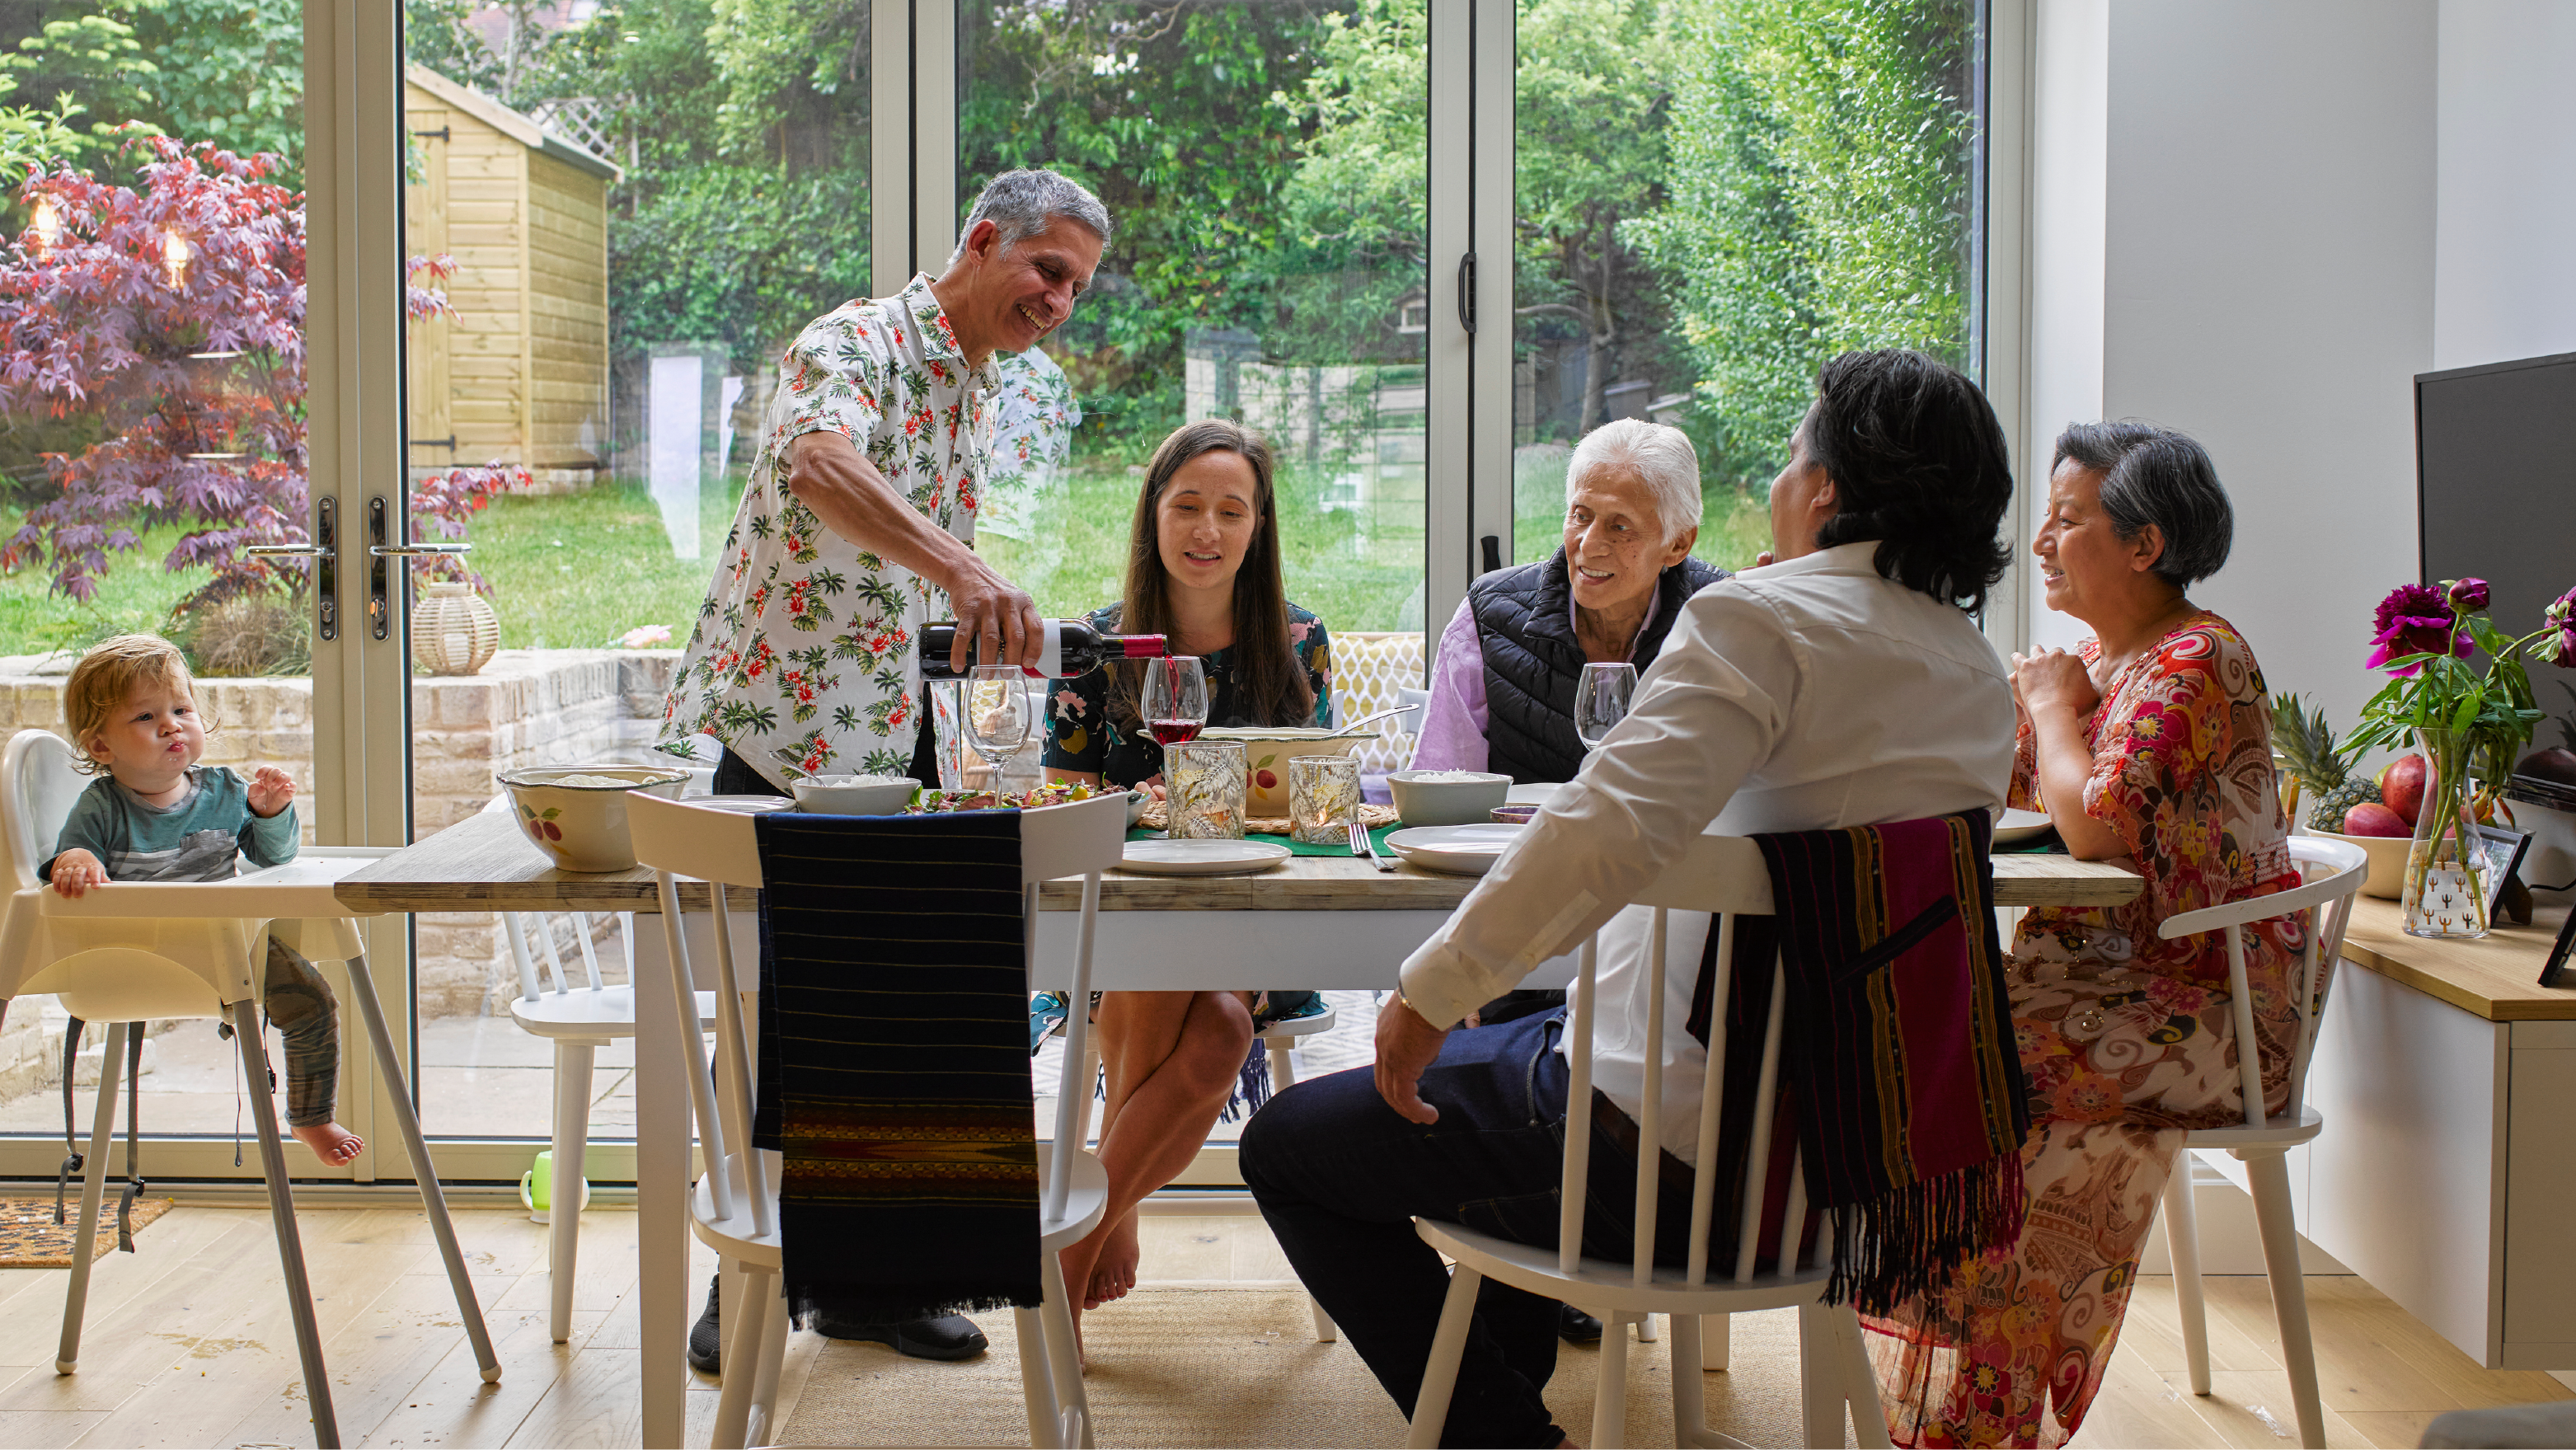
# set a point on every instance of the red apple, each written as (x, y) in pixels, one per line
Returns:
(2370, 818)
(2401, 785)
(2557, 763)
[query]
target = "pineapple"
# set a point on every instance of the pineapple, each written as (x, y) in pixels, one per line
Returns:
(2304, 742)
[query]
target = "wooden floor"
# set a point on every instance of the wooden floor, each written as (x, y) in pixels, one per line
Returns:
(188, 1344)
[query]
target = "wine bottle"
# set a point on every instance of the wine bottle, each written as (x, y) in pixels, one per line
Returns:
(1071, 648)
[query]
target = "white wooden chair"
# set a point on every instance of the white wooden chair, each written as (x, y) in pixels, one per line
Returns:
(1725, 876)
(132, 952)
(2331, 873)
(578, 1020)
(734, 1208)
(1281, 1038)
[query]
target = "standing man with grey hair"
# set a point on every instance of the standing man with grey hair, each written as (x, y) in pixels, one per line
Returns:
(1502, 687)
(857, 529)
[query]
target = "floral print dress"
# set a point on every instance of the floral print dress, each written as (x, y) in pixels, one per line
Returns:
(1082, 736)
(805, 642)
(2127, 1040)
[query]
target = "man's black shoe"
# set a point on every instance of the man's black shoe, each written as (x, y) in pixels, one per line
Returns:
(706, 1337)
(950, 1336)
(1574, 1326)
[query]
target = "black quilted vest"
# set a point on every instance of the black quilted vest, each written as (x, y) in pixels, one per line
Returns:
(1525, 626)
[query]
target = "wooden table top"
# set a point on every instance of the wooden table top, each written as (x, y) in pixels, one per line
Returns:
(2496, 977)
(485, 864)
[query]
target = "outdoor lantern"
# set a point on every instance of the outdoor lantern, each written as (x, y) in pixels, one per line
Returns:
(48, 224)
(453, 630)
(174, 256)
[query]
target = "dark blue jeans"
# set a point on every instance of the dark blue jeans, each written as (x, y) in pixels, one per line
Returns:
(1340, 1177)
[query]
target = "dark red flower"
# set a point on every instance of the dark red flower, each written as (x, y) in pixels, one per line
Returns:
(2468, 596)
(2563, 652)
(2415, 619)
(2562, 610)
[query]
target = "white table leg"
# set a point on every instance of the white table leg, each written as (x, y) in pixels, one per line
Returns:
(661, 1193)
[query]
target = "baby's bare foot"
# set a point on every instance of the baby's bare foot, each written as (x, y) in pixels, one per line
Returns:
(330, 1142)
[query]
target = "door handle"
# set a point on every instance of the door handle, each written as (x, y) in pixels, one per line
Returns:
(1467, 293)
(404, 551)
(381, 550)
(324, 551)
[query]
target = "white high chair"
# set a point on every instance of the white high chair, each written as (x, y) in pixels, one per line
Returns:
(1725, 876)
(134, 951)
(734, 1207)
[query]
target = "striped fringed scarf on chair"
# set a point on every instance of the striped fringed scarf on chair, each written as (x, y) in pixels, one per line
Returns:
(1898, 1062)
(893, 1075)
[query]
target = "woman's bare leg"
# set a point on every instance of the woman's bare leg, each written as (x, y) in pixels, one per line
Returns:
(1172, 1059)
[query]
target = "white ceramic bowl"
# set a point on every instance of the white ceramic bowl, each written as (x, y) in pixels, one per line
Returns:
(854, 795)
(2387, 878)
(1420, 802)
(1266, 753)
(583, 827)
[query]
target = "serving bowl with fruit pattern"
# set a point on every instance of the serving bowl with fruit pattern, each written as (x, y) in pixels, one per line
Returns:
(576, 814)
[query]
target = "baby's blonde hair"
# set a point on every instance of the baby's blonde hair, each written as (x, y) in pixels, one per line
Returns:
(108, 675)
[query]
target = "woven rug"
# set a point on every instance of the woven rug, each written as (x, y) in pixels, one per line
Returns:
(1240, 1366)
(29, 1239)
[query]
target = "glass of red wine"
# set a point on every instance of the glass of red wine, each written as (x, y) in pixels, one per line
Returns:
(1176, 699)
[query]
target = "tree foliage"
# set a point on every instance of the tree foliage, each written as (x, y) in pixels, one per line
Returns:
(171, 316)
(229, 72)
(1818, 200)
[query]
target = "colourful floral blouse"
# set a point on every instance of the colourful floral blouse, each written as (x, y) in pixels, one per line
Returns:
(804, 643)
(2182, 773)
(1081, 736)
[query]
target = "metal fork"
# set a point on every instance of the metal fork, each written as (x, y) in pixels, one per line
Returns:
(1361, 845)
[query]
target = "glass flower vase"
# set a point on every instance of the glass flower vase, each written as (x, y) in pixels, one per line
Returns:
(2446, 869)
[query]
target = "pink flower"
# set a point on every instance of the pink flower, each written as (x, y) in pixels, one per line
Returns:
(2415, 619)
(2468, 596)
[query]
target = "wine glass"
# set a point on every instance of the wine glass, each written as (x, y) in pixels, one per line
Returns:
(1175, 704)
(1601, 700)
(997, 713)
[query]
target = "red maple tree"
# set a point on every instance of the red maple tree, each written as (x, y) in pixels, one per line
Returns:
(169, 320)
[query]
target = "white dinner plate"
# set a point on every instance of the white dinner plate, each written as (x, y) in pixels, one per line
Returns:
(1201, 857)
(1467, 850)
(2020, 826)
(750, 805)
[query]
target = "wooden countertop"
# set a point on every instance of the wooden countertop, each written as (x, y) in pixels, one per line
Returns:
(2496, 977)
(485, 864)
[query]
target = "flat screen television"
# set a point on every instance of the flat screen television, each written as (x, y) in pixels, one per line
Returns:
(2495, 461)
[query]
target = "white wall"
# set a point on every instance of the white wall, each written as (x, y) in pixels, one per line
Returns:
(2504, 269)
(2267, 260)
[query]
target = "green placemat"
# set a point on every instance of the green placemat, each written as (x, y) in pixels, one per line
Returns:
(1295, 848)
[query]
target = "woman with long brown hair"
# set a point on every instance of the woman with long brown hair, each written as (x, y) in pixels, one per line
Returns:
(1203, 568)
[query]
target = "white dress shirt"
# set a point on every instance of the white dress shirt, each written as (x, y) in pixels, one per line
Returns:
(1806, 695)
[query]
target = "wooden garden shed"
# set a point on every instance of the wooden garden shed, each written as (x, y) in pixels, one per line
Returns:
(518, 373)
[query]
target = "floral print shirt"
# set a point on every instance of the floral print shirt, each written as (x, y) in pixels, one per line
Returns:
(804, 643)
(1081, 736)
(2182, 773)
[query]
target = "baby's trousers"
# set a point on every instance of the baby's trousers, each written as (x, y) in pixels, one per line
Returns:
(307, 1016)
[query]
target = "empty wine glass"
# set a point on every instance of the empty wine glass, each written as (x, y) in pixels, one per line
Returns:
(1601, 700)
(1175, 704)
(997, 713)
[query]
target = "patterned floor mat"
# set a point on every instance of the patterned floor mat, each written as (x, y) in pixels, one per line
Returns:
(29, 1238)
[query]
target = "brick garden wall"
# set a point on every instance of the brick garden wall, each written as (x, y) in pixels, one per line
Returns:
(526, 707)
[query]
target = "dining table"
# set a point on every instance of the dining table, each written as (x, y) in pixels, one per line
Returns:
(1321, 922)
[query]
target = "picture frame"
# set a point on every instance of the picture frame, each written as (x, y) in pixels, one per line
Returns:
(2503, 851)
(2555, 973)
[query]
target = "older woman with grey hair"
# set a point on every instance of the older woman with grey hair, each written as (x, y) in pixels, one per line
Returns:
(1502, 691)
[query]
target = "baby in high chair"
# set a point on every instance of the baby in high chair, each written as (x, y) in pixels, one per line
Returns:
(155, 814)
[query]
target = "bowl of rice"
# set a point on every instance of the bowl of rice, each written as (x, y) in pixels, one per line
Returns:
(1447, 797)
(854, 795)
(577, 813)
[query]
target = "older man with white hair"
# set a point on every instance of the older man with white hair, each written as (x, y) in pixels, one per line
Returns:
(1502, 689)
